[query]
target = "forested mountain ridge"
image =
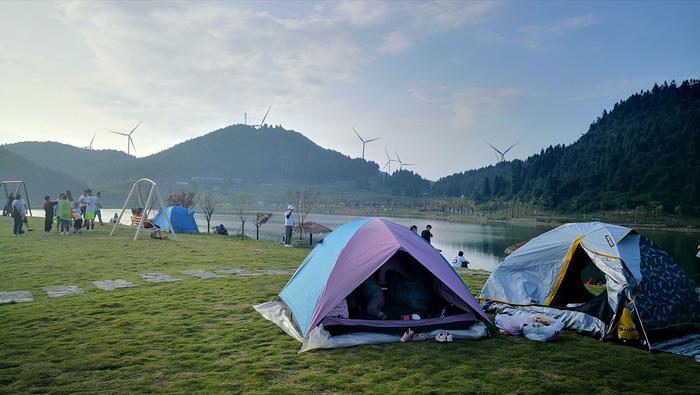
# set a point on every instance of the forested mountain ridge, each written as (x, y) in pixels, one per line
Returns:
(40, 180)
(645, 151)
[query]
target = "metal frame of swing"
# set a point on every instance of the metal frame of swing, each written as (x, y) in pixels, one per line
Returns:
(146, 207)
(20, 184)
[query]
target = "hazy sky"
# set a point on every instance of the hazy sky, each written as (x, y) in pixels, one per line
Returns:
(435, 80)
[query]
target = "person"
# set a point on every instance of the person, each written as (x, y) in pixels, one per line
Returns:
(115, 219)
(82, 202)
(7, 208)
(460, 260)
(69, 196)
(48, 214)
(221, 230)
(19, 213)
(98, 204)
(289, 220)
(425, 234)
(414, 229)
(77, 218)
(64, 213)
(89, 212)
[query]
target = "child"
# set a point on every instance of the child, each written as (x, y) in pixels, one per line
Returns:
(64, 213)
(48, 214)
(89, 212)
(460, 260)
(77, 218)
(115, 219)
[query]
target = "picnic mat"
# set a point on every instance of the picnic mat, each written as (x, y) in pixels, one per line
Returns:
(687, 345)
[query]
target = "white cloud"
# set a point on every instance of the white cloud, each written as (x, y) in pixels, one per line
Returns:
(395, 43)
(538, 36)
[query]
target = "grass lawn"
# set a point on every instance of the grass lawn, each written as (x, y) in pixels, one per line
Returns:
(203, 335)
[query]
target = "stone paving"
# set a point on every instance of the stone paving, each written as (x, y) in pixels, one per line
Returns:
(16, 297)
(57, 291)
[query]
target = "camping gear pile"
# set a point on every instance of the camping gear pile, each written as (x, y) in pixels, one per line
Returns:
(538, 327)
(383, 272)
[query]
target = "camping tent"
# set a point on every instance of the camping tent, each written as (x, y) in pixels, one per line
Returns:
(182, 219)
(348, 264)
(646, 292)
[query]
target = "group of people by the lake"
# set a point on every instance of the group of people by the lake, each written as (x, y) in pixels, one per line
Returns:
(426, 234)
(69, 215)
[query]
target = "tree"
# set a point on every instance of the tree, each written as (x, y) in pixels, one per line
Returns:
(305, 202)
(207, 203)
(184, 199)
(243, 220)
(260, 220)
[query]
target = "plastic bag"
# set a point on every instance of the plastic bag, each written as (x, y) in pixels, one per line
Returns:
(511, 324)
(542, 328)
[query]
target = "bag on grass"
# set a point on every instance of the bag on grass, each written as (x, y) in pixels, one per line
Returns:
(542, 328)
(511, 324)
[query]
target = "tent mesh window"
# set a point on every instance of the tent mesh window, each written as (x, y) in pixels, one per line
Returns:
(573, 293)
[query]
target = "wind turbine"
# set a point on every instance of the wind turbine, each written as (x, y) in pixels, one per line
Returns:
(263, 119)
(388, 161)
(129, 140)
(501, 155)
(401, 164)
(364, 141)
(91, 141)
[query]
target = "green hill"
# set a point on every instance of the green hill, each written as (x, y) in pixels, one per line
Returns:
(645, 151)
(40, 180)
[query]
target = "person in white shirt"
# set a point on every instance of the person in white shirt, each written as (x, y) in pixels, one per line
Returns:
(460, 260)
(89, 210)
(289, 220)
(19, 214)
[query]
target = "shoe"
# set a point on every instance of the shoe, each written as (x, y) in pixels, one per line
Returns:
(418, 338)
(443, 337)
(407, 336)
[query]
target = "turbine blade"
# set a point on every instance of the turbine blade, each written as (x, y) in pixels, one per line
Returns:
(387, 154)
(119, 133)
(509, 148)
(398, 157)
(93, 139)
(263, 120)
(132, 130)
(358, 135)
(132, 144)
(494, 148)
(370, 140)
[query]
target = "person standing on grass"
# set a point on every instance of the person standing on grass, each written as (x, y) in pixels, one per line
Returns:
(48, 214)
(98, 205)
(82, 202)
(90, 207)
(425, 234)
(289, 220)
(64, 213)
(19, 214)
(77, 216)
(7, 208)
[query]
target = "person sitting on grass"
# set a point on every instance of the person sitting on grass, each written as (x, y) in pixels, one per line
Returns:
(460, 260)
(221, 230)
(77, 218)
(115, 219)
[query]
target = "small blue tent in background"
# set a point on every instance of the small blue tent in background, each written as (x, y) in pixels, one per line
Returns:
(182, 219)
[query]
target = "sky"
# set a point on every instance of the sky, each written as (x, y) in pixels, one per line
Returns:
(435, 80)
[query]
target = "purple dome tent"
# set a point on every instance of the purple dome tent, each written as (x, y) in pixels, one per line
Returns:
(372, 252)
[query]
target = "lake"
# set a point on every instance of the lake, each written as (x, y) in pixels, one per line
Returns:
(483, 244)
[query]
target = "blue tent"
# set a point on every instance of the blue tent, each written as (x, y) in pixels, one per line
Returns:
(182, 219)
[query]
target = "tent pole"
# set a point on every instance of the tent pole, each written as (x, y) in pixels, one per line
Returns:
(636, 310)
(126, 202)
(165, 212)
(145, 211)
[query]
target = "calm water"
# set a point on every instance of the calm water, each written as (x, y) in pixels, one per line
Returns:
(483, 244)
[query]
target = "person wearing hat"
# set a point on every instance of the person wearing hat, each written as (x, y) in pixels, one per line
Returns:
(288, 225)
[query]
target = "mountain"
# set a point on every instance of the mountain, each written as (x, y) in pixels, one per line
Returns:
(40, 180)
(645, 151)
(265, 155)
(83, 164)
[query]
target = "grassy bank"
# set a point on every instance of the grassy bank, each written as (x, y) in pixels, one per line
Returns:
(203, 335)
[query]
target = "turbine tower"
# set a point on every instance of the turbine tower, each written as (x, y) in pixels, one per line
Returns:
(389, 159)
(129, 140)
(501, 156)
(364, 142)
(401, 164)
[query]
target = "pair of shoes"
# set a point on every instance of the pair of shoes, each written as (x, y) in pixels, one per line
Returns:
(443, 337)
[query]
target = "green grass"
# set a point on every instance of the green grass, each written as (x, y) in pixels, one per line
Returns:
(204, 336)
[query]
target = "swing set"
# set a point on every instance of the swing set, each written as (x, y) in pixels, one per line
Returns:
(148, 205)
(18, 185)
